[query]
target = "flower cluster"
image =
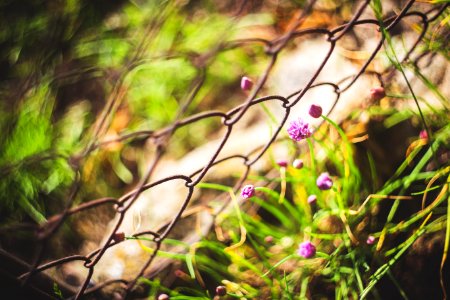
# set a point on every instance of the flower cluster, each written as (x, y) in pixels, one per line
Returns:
(299, 130)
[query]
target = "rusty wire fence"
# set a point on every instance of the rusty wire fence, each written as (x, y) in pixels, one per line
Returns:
(161, 137)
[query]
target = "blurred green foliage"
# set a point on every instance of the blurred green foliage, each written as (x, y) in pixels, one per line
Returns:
(63, 60)
(30, 163)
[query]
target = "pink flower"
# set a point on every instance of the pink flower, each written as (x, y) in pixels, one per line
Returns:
(315, 111)
(282, 163)
(377, 93)
(298, 164)
(370, 240)
(246, 83)
(423, 134)
(312, 199)
(268, 239)
(306, 249)
(324, 181)
(163, 297)
(248, 191)
(299, 130)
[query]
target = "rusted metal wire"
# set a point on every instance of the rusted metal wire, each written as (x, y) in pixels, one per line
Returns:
(229, 119)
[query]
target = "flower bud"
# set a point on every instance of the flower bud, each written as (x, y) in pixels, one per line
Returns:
(423, 134)
(282, 163)
(246, 83)
(324, 181)
(370, 240)
(315, 111)
(221, 290)
(306, 249)
(377, 93)
(298, 163)
(248, 191)
(118, 237)
(312, 199)
(268, 239)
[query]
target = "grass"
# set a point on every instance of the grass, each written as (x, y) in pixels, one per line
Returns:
(257, 248)
(255, 257)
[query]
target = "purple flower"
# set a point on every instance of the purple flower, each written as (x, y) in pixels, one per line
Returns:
(246, 83)
(377, 93)
(370, 240)
(282, 163)
(248, 191)
(306, 249)
(315, 111)
(298, 164)
(299, 130)
(312, 199)
(324, 181)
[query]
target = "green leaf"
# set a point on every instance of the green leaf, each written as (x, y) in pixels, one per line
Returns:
(190, 265)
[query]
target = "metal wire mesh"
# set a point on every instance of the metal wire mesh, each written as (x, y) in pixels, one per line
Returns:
(162, 137)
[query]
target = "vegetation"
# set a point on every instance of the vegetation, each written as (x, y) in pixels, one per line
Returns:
(86, 86)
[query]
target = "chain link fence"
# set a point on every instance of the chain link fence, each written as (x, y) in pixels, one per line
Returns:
(229, 119)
